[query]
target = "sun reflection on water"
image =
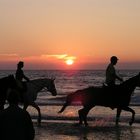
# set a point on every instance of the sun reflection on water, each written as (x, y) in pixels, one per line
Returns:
(70, 114)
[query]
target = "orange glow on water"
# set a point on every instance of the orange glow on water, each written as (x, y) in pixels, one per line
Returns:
(70, 114)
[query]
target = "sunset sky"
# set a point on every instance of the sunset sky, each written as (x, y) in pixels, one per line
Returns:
(46, 33)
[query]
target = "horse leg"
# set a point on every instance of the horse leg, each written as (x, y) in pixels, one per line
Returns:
(2, 102)
(118, 115)
(63, 108)
(86, 111)
(2, 105)
(80, 117)
(39, 113)
(25, 106)
(133, 114)
(83, 114)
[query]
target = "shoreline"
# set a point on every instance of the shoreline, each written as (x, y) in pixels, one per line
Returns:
(101, 126)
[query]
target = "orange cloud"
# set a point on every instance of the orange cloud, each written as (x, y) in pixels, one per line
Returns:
(8, 55)
(59, 56)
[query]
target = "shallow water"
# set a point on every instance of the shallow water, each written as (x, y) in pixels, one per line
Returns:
(101, 121)
(66, 131)
(68, 81)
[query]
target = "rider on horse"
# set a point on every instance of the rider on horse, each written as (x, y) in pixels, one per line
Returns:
(111, 75)
(20, 76)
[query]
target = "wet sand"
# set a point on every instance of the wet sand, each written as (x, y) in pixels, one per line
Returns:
(67, 131)
(101, 121)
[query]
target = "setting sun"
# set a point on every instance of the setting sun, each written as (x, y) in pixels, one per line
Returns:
(69, 62)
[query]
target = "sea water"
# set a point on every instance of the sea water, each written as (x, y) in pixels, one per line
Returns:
(68, 81)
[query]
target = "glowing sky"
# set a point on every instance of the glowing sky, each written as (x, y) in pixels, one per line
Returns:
(45, 33)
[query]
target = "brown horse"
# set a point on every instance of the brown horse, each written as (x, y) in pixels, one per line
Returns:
(114, 97)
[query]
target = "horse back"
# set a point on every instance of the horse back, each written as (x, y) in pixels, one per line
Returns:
(102, 96)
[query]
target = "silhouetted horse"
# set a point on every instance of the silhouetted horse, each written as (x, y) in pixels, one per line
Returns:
(114, 97)
(5, 84)
(33, 88)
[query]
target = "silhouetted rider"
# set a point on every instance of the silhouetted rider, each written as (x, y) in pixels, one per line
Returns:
(20, 76)
(111, 75)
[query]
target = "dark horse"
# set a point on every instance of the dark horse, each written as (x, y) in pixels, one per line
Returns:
(6, 83)
(114, 97)
(33, 88)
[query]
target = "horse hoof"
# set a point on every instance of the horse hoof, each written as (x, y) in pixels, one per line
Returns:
(86, 124)
(117, 124)
(77, 124)
(39, 124)
(130, 123)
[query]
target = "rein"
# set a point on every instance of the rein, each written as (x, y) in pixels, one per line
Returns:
(37, 85)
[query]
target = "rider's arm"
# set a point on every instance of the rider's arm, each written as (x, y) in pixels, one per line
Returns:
(26, 78)
(119, 78)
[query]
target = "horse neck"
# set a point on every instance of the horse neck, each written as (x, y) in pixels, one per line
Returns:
(130, 84)
(40, 83)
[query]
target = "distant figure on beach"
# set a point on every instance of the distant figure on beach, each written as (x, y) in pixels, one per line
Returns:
(15, 123)
(20, 76)
(111, 75)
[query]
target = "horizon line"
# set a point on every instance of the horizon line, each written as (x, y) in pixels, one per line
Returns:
(67, 69)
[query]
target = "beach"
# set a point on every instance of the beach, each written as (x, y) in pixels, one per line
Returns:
(101, 121)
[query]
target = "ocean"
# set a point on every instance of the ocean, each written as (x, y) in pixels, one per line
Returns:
(68, 81)
(101, 120)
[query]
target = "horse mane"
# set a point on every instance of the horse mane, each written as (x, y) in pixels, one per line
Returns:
(7, 77)
(39, 80)
(130, 80)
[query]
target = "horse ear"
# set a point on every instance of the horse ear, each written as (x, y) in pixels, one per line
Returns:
(53, 79)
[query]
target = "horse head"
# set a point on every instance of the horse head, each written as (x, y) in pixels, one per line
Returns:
(51, 87)
(132, 82)
(138, 80)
